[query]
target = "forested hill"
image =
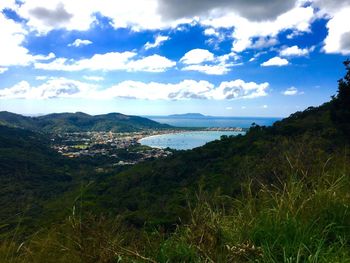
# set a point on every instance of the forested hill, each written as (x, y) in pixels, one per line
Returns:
(30, 173)
(80, 122)
(158, 192)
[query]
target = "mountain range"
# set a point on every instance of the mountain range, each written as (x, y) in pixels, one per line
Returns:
(80, 122)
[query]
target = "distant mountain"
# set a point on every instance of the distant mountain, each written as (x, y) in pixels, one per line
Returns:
(16, 120)
(189, 116)
(79, 122)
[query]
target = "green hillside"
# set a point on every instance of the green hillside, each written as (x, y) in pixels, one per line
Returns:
(30, 174)
(79, 122)
(157, 192)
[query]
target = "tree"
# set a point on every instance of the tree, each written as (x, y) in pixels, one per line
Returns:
(340, 112)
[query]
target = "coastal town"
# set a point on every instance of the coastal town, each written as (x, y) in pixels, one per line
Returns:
(123, 148)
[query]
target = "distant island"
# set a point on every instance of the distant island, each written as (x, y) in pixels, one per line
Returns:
(189, 115)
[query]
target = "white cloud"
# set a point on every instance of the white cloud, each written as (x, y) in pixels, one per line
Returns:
(53, 88)
(12, 37)
(248, 30)
(186, 89)
(243, 17)
(264, 42)
(211, 32)
(240, 89)
(338, 38)
(330, 7)
(297, 19)
(80, 42)
(154, 63)
(295, 51)
(197, 56)
(44, 16)
(209, 69)
(255, 28)
(41, 77)
(43, 57)
(294, 34)
(12, 52)
(110, 61)
(10, 4)
(292, 91)
(206, 62)
(3, 70)
(157, 42)
(276, 61)
(228, 108)
(265, 106)
(93, 78)
(215, 37)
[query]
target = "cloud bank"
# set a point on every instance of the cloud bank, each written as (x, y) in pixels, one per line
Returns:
(186, 89)
(111, 61)
(254, 24)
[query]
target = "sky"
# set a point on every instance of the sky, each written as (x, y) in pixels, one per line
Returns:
(266, 58)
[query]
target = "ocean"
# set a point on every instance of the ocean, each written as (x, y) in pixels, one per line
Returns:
(221, 122)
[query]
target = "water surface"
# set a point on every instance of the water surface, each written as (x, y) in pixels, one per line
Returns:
(207, 121)
(185, 140)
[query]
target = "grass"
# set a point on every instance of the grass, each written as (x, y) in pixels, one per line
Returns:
(303, 218)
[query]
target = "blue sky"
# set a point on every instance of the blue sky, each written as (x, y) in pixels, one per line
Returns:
(160, 57)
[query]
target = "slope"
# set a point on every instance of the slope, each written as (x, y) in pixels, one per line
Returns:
(30, 174)
(158, 192)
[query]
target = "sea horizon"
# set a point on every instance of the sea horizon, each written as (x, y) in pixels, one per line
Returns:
(214, 121)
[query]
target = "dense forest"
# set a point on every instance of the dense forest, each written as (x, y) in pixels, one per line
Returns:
(276, 194)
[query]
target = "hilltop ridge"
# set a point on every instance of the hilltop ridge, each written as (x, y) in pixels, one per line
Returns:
(79, 122)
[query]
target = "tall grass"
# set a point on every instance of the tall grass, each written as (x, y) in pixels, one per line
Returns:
(303, 218)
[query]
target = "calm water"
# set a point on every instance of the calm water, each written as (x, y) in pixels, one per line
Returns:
(242, 122)
(185, 140)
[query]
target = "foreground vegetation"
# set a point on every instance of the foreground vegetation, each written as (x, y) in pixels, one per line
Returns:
(277, 194)
(305, 218)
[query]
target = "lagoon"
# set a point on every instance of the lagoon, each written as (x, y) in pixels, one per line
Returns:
(185, 140)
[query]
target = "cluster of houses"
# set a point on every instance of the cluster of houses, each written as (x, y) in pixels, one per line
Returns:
(235, 129)
(93, 144)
